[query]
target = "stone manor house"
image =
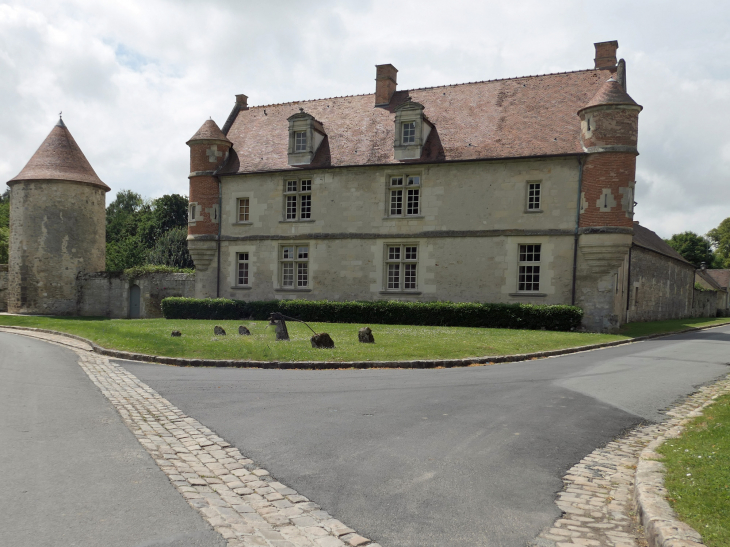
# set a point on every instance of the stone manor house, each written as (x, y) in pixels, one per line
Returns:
(513, 190)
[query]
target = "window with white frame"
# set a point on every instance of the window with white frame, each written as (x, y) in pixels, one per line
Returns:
(300, 141)
(294, 266)
(533, 196)
(192, 212)
(242, 271)
(298, 199)
(243, 210)
(529, 268)
(409, 133)
(401, 267)
(405, 195)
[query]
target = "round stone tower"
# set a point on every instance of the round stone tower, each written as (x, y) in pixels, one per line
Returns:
(57, 227)
(609, 133)
(208, 152)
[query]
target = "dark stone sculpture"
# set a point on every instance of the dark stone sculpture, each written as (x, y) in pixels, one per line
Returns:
(243, 331)
(176, 333)
(322, 341)
(277, 320)
(218, 331)
(365, 335)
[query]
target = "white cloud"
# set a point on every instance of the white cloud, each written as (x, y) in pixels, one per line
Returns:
(136, 79)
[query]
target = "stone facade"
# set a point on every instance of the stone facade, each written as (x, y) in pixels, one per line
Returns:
(108, 294)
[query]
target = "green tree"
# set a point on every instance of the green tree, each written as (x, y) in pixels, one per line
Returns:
(171, 249)
(4, 226)
(694, 248)
(720, 238)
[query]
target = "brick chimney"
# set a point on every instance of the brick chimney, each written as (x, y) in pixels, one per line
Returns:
(242, 102)
(606, 54)
(386, 80)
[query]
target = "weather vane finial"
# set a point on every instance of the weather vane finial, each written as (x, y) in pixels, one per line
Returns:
(60, 114)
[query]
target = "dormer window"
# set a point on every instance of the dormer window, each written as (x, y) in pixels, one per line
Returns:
(411, 131)
(305, 136)
(300, 141)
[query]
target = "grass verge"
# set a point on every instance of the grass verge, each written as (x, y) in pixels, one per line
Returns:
(392, 342)
(698, 473)
(634, 330)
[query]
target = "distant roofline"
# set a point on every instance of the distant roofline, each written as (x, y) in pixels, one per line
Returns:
(433, 87)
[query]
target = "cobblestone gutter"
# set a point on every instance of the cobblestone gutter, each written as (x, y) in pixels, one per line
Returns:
(243, 502)
(615, 496)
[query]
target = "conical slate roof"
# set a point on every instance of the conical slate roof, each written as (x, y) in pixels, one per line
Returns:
(209, 131)
(59, 158)
(611, 92)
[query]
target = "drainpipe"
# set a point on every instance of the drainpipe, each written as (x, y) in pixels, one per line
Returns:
(577, 224)
(220, 225)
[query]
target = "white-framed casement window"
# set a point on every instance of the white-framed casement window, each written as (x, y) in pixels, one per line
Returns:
(242, 269)
(294, 266)
(534, 196)
(405, 196)
(298, 199)
(401, 267)
(408, 133)
(300, 141)
(192, 213)
(529, 268)
(244, 210)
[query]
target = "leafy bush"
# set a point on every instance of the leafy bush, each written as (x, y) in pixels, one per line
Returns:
(386, 312)
(154, 268)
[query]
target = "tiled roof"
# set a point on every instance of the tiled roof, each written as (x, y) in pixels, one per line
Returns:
(519, 117)
(611, 93)
(722, 277)
(709, 280)
(59, 158)
(209, 131)
(643, 237)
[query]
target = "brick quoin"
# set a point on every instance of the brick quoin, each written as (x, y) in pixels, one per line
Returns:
(611, 170)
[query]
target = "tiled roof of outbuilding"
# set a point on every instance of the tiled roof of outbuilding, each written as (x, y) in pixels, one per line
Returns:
(643, 237)
(711, 281)
(519, 117)
(209, 131)
(59, 158)
(721, 276)
(611, 92)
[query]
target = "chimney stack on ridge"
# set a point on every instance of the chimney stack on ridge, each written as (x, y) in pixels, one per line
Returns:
(606, 54)
(386, 80)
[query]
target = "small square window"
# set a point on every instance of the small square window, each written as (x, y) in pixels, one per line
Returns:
(300, 141)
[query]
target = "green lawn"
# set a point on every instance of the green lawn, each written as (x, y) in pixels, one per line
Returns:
(634, 330)
(698, 473)
(392, 342)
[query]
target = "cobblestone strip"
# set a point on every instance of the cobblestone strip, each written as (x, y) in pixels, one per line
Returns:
(601, 493)
(242, 501)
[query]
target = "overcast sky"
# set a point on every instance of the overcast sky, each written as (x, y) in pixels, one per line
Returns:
(135, 79)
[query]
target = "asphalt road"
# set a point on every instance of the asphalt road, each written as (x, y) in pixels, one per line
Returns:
(450, 457)
(72, 473)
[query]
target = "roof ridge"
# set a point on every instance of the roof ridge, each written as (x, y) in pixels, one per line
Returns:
(430, 87)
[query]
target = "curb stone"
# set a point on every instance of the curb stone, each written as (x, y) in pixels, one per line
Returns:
(616, 490)
(242, 501)
(317, 365)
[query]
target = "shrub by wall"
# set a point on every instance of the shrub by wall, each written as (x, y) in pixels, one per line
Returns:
(386, 312)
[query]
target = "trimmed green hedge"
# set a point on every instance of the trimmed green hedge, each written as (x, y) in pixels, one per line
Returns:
(385, 312)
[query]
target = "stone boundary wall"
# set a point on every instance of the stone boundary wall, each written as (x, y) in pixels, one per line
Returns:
(705, 303)
(107, 294)
(3, 287)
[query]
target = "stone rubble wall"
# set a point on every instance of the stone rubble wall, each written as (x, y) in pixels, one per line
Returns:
(3, 287)
(106, 294)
